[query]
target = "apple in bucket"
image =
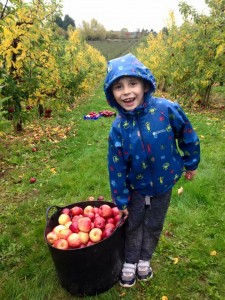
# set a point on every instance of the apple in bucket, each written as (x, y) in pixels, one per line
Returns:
(82, 227)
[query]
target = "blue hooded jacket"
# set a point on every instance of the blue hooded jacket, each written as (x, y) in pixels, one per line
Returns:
(152, 145)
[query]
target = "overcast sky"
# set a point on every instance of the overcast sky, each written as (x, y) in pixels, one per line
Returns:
(133, 15)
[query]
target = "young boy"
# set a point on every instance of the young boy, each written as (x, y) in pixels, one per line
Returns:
(151, 143)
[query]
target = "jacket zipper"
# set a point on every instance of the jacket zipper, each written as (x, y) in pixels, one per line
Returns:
(149, 161)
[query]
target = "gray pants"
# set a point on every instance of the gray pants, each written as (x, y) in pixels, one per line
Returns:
(144, 226)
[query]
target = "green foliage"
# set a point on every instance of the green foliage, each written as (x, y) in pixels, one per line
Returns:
(35, 60)
(188, 60)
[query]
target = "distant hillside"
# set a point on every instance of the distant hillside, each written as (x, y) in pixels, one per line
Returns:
(115, 47)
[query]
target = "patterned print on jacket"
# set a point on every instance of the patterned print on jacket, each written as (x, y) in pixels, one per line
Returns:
(151, 146)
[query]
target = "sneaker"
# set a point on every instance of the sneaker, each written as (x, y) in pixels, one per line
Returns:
(144, 271)
(128, 277)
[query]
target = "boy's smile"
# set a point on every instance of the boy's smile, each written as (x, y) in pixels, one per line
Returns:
(129, 92)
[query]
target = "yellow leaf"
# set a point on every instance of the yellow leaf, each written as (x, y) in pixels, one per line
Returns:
(175, 260)
(180, 191)
(53, 170)
(165, 298)
(202, 136)
(213, 253)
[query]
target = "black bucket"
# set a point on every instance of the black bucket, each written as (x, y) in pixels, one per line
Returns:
(93, 269)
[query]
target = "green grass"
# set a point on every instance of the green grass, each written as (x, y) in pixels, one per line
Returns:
(194, 226)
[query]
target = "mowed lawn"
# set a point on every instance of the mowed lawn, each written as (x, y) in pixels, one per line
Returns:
(69, 163)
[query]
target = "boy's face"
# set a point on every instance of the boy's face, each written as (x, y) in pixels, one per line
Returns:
(129, 92)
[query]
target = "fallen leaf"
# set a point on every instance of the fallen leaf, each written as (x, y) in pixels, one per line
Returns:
(165, 298)
(180, 191)
(53, 170)
(175, 260)
(213, 253)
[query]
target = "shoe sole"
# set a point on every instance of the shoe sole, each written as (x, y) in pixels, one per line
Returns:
(145, 279)
(127, 285)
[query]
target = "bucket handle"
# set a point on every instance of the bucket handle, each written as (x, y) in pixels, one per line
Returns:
(48, 210)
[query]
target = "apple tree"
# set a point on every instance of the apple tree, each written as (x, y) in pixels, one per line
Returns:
(26, 54)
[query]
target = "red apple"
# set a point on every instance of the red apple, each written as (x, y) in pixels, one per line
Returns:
(34, 149)
(109, 225)
(107, 232)
(115, 211)
(76, 218)
(52, 237)
(110, 220)
(105, 211)
(58, 228)
(99, 222)
(91, 198)
(76, 210)
(89, 215)
(100, 198)
(117, 219)
(74, 227)
(66, 211)
(61, 244)
(90, 243)
(64, 234)
(63, 219)
(89, 209)
(84, 237)
(95, 235)
(84, 224)
(74, 240)
(96, 209)
(32, 180)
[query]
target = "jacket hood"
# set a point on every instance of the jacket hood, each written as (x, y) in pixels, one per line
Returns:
(127, 65)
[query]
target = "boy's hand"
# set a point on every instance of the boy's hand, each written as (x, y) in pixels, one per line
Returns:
(189, 175)
(124, 213)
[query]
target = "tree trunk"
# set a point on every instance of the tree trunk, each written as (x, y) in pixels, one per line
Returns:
(206, 100)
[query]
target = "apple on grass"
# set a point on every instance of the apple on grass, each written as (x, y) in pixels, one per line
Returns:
(95, 235)
(100, 198)
(74, 240)
(52, 237)
(61, 244)
(84, 224)
(32, 180)
(91, 198)
(63, 219)
(105, 211)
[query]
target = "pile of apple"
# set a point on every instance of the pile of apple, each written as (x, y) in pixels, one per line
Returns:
(79, 228)
(107, 113)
